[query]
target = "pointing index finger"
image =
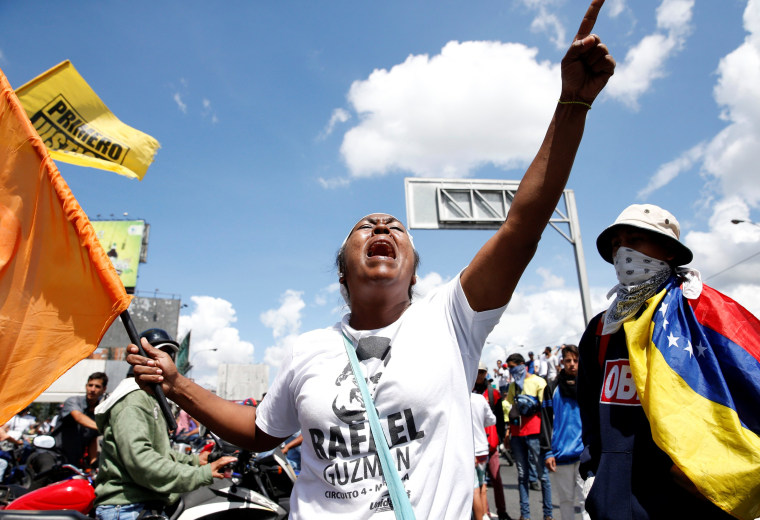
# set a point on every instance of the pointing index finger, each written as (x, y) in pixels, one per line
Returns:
(589, 19)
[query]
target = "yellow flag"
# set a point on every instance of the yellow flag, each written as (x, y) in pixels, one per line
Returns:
(77, 127)
(59, 292)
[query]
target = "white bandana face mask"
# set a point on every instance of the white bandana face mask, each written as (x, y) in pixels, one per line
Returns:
(639, 276)
(633, 268)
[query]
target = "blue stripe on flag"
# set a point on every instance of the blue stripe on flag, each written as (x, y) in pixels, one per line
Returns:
(713, 366)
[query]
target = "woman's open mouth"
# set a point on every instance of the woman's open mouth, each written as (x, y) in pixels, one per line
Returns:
(381, 248)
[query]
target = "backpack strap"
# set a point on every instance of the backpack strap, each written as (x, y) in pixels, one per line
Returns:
(490, 395)
(602, 340)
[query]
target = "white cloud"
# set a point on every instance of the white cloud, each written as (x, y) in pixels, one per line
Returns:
(674, 16)
(533, 320)
(645, 62)
(427, 283)
(733, 155)
(669, 171)
(615, 7)
(209, 112)
(184, 93)
(274, 355)
(546, 318)
(178, 99)
(211, 325)
(335, 182)
(474, 103)
(285, 323)
(287, 318)
(725, 253)
(328, 294)
(548, 22)
(550, 280)
(339, 115)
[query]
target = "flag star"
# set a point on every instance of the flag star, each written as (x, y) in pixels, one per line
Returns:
(665, 323)
(663, 308)
(689, 349)
(672, 340)
(701, 349)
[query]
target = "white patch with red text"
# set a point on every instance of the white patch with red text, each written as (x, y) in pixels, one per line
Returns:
(619, 387)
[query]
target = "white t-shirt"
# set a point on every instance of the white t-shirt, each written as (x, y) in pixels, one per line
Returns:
(542, 365)
(552, 362)
(482, 416)
(18, 425)
(425, 414)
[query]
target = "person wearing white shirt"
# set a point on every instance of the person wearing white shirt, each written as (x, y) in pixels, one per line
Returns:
(482, 416)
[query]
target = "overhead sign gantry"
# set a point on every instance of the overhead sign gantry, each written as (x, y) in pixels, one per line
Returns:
(484, 204)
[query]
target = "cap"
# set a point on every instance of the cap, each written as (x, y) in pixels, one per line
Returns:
(649, 218)
(482, 366)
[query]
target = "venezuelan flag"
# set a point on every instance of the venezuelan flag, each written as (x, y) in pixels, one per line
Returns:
(696, 365)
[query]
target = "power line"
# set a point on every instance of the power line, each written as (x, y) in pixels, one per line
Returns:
(732, 266)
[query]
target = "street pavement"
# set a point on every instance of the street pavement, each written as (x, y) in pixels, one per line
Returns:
(512, 497)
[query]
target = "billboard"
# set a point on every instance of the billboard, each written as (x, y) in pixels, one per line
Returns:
(124, 242)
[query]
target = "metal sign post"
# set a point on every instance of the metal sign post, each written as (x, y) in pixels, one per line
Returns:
(484, 204)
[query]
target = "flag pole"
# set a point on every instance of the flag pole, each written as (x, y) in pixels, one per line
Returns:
(160, 397)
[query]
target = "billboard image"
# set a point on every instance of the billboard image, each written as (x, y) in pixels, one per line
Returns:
(123, 242)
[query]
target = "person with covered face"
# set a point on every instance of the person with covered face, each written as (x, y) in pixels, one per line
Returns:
(561, 429)
(425, 420)
(666, 392)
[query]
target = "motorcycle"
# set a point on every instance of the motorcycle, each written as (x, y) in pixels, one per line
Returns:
(258, 488)
(11, 465)
(75, 493)
(14, 458)
(260, 484)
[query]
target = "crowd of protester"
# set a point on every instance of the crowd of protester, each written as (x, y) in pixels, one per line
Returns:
(341, 399)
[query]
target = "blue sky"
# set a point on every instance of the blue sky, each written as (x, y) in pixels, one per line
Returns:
(282, 123)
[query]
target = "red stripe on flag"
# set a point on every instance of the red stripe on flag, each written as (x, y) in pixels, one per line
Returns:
(720, 313)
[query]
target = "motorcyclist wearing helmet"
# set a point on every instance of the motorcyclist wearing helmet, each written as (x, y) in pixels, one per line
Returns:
(138, 469)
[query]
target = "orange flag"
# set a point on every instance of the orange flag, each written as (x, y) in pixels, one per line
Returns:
(59, 292)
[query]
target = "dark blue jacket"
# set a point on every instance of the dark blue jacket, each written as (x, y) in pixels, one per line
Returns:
(563, 424)
(633, 476)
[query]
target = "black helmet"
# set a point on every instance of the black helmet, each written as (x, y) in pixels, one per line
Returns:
(159, 337)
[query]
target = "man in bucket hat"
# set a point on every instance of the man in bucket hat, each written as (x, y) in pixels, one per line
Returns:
(651, 373)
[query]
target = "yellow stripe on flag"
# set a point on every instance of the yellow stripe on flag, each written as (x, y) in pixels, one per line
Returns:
(703, 438)
(77, 127)
(59, 292)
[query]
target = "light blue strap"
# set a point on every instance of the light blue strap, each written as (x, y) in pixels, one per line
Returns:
(400, 500)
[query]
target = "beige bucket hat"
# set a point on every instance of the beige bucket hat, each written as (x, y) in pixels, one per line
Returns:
(650, 218)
